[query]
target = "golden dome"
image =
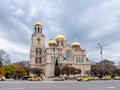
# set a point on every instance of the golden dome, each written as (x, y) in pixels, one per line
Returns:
(37, 23)
(60, 37)
(75, 44)
(52, 42)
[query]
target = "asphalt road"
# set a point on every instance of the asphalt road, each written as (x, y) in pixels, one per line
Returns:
(59, 85)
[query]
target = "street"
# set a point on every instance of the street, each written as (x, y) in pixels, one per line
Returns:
(59, 85)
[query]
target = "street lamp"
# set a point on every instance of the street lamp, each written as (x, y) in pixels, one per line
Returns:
(101, 50)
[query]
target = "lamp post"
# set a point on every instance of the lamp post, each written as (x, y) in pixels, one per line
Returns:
(101, 50)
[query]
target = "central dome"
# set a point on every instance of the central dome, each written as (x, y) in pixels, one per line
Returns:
(37, 23)
(60, 37)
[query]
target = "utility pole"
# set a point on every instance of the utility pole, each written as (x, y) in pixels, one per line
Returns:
(101, 50)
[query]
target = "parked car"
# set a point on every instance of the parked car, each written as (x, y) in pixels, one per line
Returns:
(35, 79)
(79, 78)
(106, 78)
(2, 78)
(85, 78)
(26, 77)
(117, 78)
(59, 78)
(93, 78)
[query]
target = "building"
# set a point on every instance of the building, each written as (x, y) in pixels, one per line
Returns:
(106, 62)
(23, 63)
(58, 49)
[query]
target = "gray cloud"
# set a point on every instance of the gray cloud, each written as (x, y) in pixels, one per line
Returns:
(90, 22)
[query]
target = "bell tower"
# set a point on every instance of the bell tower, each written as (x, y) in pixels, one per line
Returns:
(38, 27)
(37, 52)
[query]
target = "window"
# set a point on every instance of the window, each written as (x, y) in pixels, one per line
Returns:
(58, 43)
(76, 59)
(81, 60)
(40, 60)
(38, 51)
(38, 29)
(53, 49)
(58, 58)
(36, 60)
(73, 59)
(68, 55)
(52, 59)
(61, 43)
(41, 29)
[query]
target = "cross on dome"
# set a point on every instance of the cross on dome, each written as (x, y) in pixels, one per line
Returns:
(75, 40)
(75, 43)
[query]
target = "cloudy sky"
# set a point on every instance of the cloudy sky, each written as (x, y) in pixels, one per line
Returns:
(90, 21)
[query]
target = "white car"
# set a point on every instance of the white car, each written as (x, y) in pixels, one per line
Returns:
(59, 78)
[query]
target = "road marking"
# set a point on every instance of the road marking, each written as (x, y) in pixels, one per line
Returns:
(110, 87)
(14, 88)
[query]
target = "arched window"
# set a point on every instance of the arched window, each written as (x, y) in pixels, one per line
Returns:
(61, 43)
(68, 55)
(36, 59)
(40, 60)
(35, 29)
(38, 51)
(41, 29)
(52, 59)
(77, 60)
(38, 29)
(82, 60)
(58, 43)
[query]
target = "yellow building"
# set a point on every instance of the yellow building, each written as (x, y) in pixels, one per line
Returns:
(58, 49)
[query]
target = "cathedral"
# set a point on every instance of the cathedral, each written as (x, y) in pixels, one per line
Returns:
(71, 55)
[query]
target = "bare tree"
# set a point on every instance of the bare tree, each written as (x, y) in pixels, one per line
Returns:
(4, 57)
(37, 71)
(104, 67)
(70, 70)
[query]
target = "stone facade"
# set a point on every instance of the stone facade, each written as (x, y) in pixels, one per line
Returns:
(58, 49)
